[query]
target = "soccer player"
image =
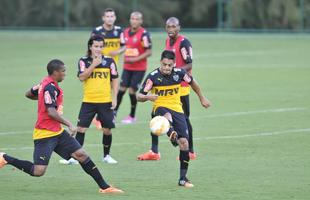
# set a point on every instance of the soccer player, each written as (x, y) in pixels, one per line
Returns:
(49, 135)
(182, 48)
(114, 42)
(163, 87)
(138, 48)
(100, 83)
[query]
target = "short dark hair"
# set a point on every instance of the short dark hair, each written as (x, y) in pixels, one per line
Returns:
(167, 54)
(91, 40)
(54, 65)
(107, 10)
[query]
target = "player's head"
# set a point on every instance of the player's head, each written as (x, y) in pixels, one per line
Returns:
(56, 69)
(108, 16)
(173, 27)
(136, 19)
(167, 62)
(95, 45)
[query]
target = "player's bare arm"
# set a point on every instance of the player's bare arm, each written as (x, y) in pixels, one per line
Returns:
(146, 97)
(203, 100)
(52, 112)
(118, 51)
(114, 86)
(31, 96)
(96, 61)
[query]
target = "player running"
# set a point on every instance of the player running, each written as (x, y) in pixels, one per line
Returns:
(49, 135)
(114, 42)
(100, 84)
(163, 87)
(182, 48)
(138, 48)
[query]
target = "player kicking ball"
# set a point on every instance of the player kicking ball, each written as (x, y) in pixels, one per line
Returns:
(49, 135)
(162, 86)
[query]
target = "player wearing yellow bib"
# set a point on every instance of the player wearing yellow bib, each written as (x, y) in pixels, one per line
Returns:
(163, 87)
(114, 42)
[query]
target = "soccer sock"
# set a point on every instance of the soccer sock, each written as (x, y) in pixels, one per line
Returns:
(120, 95)
(80, 137)
(23, 165)
(133, 101)
(184, 161)
(106, 141)
(154, 147)
(90, 168)
(190, 136)
(171, 129)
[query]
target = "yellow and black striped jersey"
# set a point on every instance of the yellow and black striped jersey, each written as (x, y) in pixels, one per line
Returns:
(167, 87)
(97, 87)
(113, 39)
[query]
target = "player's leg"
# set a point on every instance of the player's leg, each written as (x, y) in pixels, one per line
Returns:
(68, 147)
(124, 84)
(135, 81)
(43, 149)
(186, 109)
(180, 126)
(107, 122)
(86, 114)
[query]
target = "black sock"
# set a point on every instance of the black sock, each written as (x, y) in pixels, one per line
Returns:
(154, 147)
(106, 141)
(171, 129)
(80, 137)
(23, 165)
(90, 168)
(120, 95)
(133, 101)
(184, 161)
(190, 135)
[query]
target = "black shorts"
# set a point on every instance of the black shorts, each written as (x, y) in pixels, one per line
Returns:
(132, 79)
(178, 120)
(64, 145)
(185, 105)
(104, 114)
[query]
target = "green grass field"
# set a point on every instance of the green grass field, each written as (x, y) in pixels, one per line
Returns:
(253, 143)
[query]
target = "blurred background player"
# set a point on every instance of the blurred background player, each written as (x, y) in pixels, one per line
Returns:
(49, 136)
(114, 43)
(163, 87)
(100, 84)
(183, 55)
(138, 48)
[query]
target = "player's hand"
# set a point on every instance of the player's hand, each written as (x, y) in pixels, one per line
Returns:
(152, 97)
(205, 102)
(130, 59)
(113, 53)
(114, 103)
(97, 60)
(72, 130)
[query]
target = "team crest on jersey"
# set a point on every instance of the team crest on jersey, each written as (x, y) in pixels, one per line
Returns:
(103, 33)
(104, 62)
(135, 39)
(175, 77)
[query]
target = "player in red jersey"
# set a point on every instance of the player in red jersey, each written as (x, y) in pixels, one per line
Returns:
(138, 49)
(182, 48)
(49, 135)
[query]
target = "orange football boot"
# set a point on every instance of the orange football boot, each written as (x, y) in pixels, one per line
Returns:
(111, 190)
(149, 156)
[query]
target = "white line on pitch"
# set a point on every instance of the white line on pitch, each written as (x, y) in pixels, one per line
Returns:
(230, 114)
(262, 134)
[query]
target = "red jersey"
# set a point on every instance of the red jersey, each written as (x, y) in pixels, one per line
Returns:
(49, 95)
(183, 54)
(136, 44)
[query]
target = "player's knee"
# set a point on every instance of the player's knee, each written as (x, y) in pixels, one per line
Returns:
(122, 88)
(107, 131)
(183, 144)
(39, 171)
(168, 116)
(80, 155)
(132, 91)
(81, 129)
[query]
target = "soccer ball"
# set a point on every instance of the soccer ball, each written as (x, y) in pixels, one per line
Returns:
(159, 125)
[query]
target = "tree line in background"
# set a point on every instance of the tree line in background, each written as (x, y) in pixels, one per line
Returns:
(254, 14)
